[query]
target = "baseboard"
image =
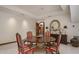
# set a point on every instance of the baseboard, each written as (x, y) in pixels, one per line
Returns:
(7, 43)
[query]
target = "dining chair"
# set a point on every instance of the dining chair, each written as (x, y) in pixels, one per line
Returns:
(23, 48)
(47, 39)
(29, 36)
(47, 36)
(31, 39)
(55, 47)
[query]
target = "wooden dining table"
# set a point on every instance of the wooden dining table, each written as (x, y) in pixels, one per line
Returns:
(37, 43)
(37, 40)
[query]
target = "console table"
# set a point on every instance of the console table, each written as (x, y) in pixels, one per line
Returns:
(63, 38)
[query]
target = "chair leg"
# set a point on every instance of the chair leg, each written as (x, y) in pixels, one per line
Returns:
(46, 52)
(52, 53)
(57, 52)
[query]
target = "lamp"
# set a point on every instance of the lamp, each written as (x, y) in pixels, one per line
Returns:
(65, 27)
(46, 27)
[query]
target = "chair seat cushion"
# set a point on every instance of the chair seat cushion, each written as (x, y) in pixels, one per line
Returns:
(29, 51)
(52, 49)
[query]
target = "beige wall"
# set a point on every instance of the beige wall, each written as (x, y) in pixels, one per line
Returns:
(12, 23)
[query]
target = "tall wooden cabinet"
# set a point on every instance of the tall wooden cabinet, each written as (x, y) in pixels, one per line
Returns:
(40, 28)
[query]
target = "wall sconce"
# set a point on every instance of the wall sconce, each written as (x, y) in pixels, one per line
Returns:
(65, 27)
(46, 27)
(73, 26)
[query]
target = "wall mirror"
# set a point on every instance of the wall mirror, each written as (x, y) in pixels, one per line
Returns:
(54, 25)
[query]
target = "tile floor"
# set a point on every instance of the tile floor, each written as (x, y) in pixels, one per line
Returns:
(64, 49)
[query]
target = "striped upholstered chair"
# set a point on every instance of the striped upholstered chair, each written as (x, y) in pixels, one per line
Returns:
(55, 47)
(23, 48)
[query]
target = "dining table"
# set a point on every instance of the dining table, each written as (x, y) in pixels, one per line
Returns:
(37, 40)
(37, 43)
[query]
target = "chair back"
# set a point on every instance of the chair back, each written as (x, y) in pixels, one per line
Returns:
(58, 40)
(47, 36)
(29, 36)
(19, 42)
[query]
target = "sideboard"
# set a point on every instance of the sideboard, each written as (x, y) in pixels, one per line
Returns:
(63, 38)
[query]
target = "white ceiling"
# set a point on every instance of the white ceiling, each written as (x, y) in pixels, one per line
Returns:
(36, 11)
(41, 9)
